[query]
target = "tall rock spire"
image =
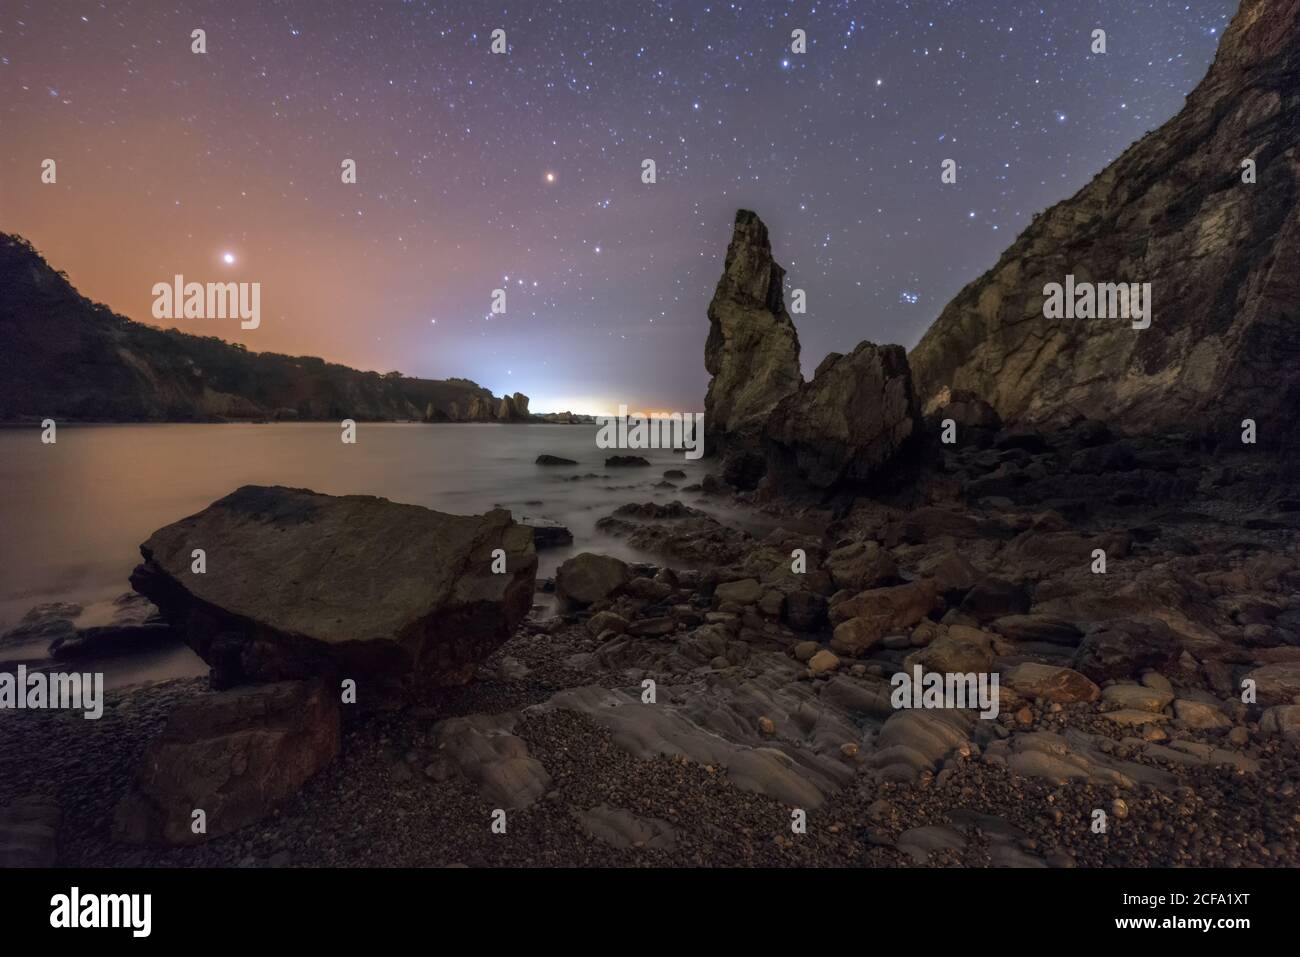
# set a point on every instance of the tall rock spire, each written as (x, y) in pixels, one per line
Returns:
(752, 351)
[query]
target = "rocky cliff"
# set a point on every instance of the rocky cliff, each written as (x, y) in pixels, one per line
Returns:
(854, 417)
(752, 351)
(65, 357)
(1174, 211)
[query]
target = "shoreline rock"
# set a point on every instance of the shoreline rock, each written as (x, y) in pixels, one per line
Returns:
(299, 585)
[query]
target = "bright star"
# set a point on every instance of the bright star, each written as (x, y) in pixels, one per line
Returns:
(229, 259)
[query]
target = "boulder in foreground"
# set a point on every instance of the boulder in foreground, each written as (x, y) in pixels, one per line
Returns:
(232, 755)
(587, 577)
(299, 585)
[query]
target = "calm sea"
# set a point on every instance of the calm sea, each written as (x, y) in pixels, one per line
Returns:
(73, 514)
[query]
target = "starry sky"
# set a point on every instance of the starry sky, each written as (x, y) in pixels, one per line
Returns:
(478, 171)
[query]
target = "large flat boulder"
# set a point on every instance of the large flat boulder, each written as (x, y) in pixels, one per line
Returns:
(232, 755)
(299, 585)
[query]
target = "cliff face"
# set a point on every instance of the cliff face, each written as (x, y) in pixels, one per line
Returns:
(1220, 254)
(65, 357)
(855, 416)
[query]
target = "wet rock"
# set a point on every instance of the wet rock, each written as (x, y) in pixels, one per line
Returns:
(648, 589)
(706, 730)
(952, 574)
(949, 655)
(872, 614)
(1199, 715)
(1124, 648)
(1281, 719)
(1132, 717)
(804, 650)
(548, 534)
(653, 627)
(587, 577)
(624, 461)
(1136, 697)
(1045, 628)
(292, 582)
(994, 598)
(921, 842)
(136, 626)
(914, 742)
(1051, 683)
(554, 460)
(1277, 683)
(747, 591)
(861, 565)
(44, 623)
(604, 621)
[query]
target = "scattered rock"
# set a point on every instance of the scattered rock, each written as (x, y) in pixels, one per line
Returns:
(1136, 697)
(747, 591)
(823, 662)
(1197, 714)
(1051, 683)
(588, 577)
(232, 754)
(1124, 648)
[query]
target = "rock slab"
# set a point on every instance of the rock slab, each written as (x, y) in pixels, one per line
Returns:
(299, 585)
(232, 755)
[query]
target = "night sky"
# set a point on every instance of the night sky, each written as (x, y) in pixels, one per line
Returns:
(169, 160)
